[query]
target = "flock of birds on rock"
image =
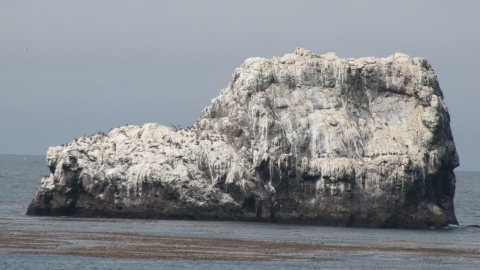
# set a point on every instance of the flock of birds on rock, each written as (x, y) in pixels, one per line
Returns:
(101, 133)
(178, 128)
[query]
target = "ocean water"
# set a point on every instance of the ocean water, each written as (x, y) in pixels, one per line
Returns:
(20, 176)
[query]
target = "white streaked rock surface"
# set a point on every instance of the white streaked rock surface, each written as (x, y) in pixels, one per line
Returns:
(302, 138)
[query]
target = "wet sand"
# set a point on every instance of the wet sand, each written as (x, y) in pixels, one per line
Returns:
(149, 246)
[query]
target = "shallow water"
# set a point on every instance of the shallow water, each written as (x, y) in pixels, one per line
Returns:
(20, 176)
(352, 262)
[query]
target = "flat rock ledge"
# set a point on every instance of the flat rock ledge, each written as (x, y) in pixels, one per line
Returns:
(303, 138)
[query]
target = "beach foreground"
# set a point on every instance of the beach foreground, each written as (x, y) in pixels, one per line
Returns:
(128, 245)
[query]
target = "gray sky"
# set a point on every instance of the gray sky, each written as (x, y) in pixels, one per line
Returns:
(93, 65)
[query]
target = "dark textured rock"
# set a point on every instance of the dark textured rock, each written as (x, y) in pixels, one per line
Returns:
(305, 138)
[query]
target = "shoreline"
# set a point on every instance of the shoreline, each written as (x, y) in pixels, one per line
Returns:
(125, 245)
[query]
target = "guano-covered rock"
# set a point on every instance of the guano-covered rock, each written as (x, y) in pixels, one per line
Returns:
(303, 138)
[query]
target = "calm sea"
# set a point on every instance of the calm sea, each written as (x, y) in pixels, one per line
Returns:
(20, 176)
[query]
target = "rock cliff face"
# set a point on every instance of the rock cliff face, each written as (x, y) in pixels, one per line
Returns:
(304, 138)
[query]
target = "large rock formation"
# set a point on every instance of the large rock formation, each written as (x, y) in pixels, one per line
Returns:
(304, 138)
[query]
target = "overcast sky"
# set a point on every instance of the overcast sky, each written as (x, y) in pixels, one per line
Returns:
(94, 65)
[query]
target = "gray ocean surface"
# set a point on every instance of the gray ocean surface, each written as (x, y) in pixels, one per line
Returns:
(20, 176)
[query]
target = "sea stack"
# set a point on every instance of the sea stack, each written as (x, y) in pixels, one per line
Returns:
(303, 138)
